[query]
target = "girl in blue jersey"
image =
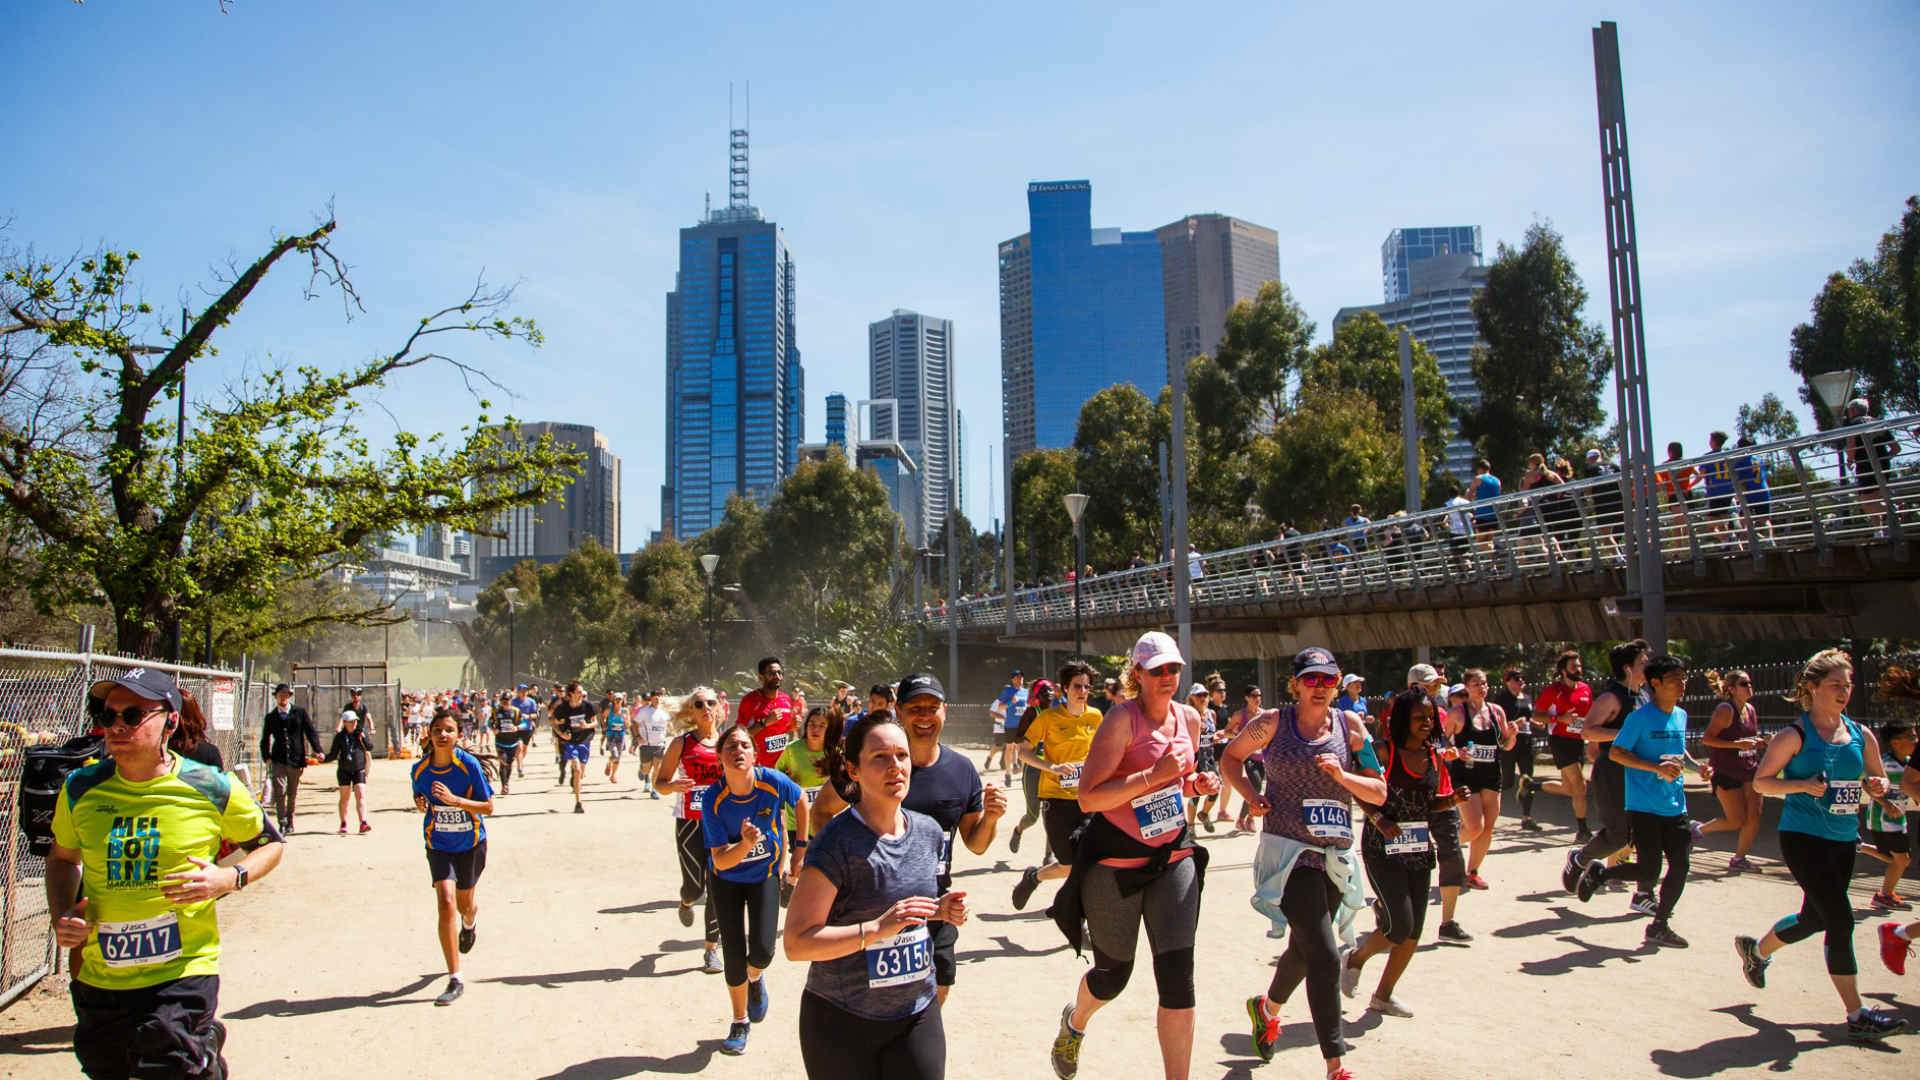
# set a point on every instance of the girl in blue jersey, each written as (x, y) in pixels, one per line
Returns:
(450, 787)
(745, 824)
(1822, 766)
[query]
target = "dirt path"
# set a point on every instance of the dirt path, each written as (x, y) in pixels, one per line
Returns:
(583, 972)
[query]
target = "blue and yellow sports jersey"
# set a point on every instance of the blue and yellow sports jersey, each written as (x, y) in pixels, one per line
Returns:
(725, 812)
(130, 836)
(451, 828)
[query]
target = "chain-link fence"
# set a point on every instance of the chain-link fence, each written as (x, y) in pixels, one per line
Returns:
(43, 702)
(325, 689)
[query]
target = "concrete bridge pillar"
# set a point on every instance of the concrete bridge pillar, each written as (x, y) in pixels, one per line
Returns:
(1266, 675)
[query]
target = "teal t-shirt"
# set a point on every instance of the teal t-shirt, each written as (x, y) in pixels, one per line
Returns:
(1652, 733)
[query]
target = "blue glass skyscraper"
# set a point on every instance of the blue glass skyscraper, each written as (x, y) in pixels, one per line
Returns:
(1091, 305)
(1404, 247)
(734, 379)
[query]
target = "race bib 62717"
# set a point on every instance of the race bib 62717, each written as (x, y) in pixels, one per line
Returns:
(148, 941)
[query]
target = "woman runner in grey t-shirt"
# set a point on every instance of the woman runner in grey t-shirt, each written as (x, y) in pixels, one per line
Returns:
(859, 916)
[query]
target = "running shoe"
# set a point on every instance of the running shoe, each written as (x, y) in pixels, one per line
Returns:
(1206, 822)
(1886, 901)
(1645, 904)
(1349, 977)
(1387, 1006)
(1589, 883)
(365, 828)
(736, 1040)
(757, 1000)
(1244, 822)
(1451, 931)
(1341, 1073)
(1582, 835)
(1570, 873)
(1527, 824)
(1266, 1029)
(1013, 842)
(467, 934)
(1740, 863)
(1695, 829)
(710, 961)
(1661, 935)
(1868, 1025)
(579, 808)
(686, 914)
(1066, 1047)
(1475, 881)
(343, 832)
(1023, 892)
(1894, 949)
(452, 993)
(1752, 964)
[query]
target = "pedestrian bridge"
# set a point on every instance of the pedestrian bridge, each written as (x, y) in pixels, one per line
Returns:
(1816, 539)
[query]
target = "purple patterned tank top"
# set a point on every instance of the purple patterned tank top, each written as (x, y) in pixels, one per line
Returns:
(1306, 804)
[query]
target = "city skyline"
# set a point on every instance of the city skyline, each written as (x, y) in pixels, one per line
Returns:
(913, 153)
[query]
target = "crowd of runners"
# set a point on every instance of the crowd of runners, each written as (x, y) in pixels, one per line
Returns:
(827, 835)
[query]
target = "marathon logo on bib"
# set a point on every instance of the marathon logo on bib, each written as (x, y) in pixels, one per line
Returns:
(1327, 819)
(1414, 839)
(1483, 753)
(901, 960)
(1846, 796)
(777, 743)
(451, 819)
(133, 944)
(1068, 777)
(1160, 812)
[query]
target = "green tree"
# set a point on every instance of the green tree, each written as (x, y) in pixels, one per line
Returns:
(584, 617)
(1332, 449)
(276, 482)
(1868, 319)
(1543, 366)
(487, 637)
(837, 547)
(669, 594)
(1042, 539)
(1116, 466)
(1768, 420)
(1266, 342)
(1364, 356)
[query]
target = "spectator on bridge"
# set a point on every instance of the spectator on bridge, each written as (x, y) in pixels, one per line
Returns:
(1870, 457)
(1539, 476)
(1751, 474)
(1459, 528)
(1486, 486)
(1679, 483)
(1356, 526)
(1606, 502)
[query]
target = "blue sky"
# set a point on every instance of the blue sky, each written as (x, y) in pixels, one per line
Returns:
(563, 146)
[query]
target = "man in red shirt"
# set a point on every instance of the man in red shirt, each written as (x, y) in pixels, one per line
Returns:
(1564, 704)
(768, 713)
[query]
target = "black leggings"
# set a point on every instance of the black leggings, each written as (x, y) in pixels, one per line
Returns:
(1313, 954)
(1607, 801)
(1402, 890)
(835, 1043)
(1657, 836)
(749, 917)
(1822, 868)
(692, 845)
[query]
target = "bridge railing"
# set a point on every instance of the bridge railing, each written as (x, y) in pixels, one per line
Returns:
(1856, 485)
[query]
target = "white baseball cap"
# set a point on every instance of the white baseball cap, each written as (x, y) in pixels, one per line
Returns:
(1421, 674)
(1349, 680)
(1156, 649)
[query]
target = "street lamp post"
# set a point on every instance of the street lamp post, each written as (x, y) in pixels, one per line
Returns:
(1076, 506)
(513, 601)
(1833, 388)
(709, 563)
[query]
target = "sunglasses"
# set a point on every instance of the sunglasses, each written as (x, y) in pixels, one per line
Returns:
(132, 716)
(1319, 679)
(1165, 670)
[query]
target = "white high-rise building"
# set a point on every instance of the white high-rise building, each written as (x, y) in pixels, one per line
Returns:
(910, 364)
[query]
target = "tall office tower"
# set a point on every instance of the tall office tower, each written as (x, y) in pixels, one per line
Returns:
(960, 460)
(910, 369)
(1437, 309)
(1210, 262)
(589, 507)
(436, 542)
(837, 423)
(1094, 306)
(734, 379)
(1406, 247)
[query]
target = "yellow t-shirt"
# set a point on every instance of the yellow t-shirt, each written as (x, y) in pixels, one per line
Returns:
(130, 836)
(1066, 740)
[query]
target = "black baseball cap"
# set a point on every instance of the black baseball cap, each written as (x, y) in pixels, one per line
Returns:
(151, 685)
(918, 684)
(283, 688)
(1314, 658)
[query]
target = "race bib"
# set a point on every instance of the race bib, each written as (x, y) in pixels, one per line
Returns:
(777, 743)
(812, 793)
(1328, 819)
(903, 959)
(1901, 802)
(1483, 753)
(695, 799)
(1160, 812)
(1068, 777)
(510, 727)
(148, 941)
(450, 819)
(760, 852)
(1846, 796)
(1414, 839)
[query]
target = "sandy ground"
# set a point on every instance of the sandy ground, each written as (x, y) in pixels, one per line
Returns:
(582, 971)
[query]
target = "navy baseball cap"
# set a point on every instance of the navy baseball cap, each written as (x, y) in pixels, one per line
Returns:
(1313, 658)
(918, 684)
(151, 685)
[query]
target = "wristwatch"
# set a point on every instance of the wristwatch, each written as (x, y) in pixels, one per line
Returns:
(239, 877)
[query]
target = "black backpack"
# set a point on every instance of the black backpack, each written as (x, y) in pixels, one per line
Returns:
(41, 778)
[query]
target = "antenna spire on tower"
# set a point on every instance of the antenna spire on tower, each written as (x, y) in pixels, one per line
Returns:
(737, 179)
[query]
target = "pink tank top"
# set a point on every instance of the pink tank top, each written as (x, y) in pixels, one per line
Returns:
(1156, 818)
